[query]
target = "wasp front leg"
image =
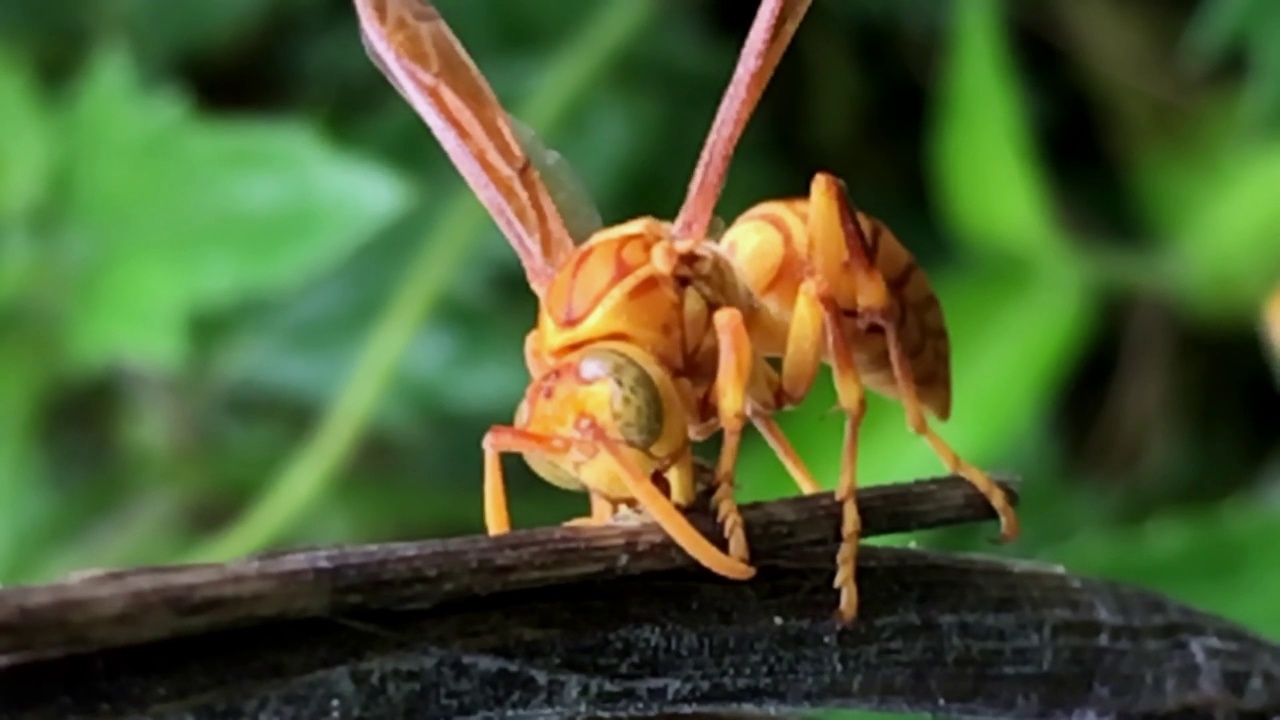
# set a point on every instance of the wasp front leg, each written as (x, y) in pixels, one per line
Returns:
(582, 455)
(501, 439)
(735, 403)
(733, 378)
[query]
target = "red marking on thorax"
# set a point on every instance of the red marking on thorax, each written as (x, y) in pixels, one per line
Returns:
(592, 273)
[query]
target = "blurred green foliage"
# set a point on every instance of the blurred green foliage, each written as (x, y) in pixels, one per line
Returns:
(245, 300)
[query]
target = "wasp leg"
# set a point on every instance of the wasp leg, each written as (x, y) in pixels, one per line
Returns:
(603, 511)
(782, 447)
(800, 362)
(504, 439)
(829, 258)
(804, 353)
(994, 494)
(853, 402)
(671, 520)
(733, 378)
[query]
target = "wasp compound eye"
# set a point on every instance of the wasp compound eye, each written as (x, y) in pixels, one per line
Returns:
(635, 401)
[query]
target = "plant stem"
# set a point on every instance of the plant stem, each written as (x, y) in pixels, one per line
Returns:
(313, 467)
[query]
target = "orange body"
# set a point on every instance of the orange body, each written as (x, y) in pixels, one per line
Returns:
(769, 246)
(627, 362)
(828, 284)
(608, 304)
(651, 335)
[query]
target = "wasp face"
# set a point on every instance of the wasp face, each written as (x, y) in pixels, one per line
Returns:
(597, 395)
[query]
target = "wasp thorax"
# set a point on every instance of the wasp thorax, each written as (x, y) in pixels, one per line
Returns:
(634, 401)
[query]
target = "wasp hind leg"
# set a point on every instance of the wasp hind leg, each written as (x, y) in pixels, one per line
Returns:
(816, 326)
(851, 398)
(853, 402)
(1009, 526)
(832, 242)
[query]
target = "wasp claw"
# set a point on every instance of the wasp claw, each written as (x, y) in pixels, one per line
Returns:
(842, 619)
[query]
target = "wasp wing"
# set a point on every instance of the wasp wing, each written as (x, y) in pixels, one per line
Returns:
(412, 46)
(577, 208)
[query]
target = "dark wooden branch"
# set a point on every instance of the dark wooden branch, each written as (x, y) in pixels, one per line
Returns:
(548, 623)
(103, 609)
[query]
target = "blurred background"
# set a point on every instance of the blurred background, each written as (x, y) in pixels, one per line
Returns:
(245, 301)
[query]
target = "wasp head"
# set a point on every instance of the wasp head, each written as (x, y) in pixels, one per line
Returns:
(606, 412)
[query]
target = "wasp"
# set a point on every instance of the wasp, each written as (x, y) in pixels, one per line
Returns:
(652, 335)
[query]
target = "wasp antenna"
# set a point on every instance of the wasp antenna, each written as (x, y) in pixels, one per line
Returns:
(676, 525)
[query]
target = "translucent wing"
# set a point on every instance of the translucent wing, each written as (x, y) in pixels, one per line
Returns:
(771, 32)
(419, 55)
(570, 195)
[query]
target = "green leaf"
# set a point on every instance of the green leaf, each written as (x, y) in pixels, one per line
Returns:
(26, 495)
(171, 31)
(26, 147)
(1226, 256)
(468, 362)
(868, 715)
(1015, 337)
(19, 257)
(1168, 178)
(1208, 196)
(175, 214)
(309, 472)
(1222, 28)
(986, 177)
(1219, 25)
